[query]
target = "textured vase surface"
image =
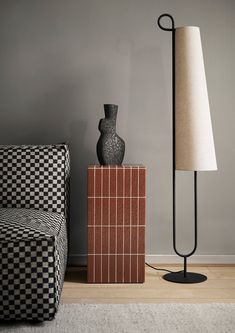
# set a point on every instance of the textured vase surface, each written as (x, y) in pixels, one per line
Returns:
(110, 147)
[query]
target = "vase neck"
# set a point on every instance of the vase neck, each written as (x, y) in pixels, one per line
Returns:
(110, 111)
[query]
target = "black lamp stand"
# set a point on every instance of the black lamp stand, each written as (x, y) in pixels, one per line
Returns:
(182, 276)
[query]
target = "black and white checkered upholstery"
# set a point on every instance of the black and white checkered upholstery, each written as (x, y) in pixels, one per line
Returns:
(34, 177)
(33, 238)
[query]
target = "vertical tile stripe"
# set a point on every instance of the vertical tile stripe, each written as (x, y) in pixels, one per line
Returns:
(101, 219)
(94, 225)
(123, 223)
(137, 236)
(130, 215)
(116, 182)
(109, 226)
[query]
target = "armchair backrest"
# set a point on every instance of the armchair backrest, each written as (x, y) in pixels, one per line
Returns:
(35, 177)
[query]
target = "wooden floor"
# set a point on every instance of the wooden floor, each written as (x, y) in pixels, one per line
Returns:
(220, 287)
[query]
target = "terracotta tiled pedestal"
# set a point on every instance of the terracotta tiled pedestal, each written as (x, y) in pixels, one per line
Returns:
(116, 223)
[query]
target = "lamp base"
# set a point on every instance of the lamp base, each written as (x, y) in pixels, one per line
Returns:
(189, 278)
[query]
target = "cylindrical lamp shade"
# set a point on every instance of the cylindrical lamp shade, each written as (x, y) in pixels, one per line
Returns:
(194, 144)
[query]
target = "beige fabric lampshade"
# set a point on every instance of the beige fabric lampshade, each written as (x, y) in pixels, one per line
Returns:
(193, 130)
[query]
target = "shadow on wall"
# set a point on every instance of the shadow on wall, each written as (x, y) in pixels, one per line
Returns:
(55, 116)
(150, 117)
(80, 157)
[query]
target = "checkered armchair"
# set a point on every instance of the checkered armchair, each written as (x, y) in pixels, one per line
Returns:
(33, 223)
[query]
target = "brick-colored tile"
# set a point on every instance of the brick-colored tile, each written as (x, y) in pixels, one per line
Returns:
(120, 182)
(119, 239)
(113, 211)
(105, 211)
(142, 208)
(142, 182)
(127, 268)
(90, 182)
(141, 268)
(112, 268)
(90, 211)
(120, 215)
(113, 235)
(113, 184)
(141, 240)
(105, 240)
(119, 269)
(127, 244)
(105, 269)
(134, 275)
(127, 215)
(97, 240)
(105, 182)
(98, 182)
(134, 212)
(97, 211)
(135, 190)
(134, 240)
(127, 182)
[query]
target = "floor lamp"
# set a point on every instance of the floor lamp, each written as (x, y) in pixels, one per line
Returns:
(192, 137)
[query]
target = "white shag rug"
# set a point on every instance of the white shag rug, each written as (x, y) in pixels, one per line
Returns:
(136, 318)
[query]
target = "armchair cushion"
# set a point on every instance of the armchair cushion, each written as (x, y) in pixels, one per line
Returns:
(35, 176)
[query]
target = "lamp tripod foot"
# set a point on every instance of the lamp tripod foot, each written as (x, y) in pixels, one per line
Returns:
(181, 277)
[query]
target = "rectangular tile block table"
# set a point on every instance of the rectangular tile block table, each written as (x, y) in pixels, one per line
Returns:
(116, 223)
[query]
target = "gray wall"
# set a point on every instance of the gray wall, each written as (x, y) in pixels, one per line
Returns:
(61, 60)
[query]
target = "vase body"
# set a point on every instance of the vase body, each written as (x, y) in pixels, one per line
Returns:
(110, 147)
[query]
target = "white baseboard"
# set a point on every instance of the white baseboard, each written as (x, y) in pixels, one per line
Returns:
(81, 259)
(195, 259)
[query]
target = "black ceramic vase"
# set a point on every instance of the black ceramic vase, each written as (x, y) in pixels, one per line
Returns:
(110, 147)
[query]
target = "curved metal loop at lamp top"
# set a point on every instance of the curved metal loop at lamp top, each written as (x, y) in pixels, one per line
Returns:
(172, 22)
(182, 277)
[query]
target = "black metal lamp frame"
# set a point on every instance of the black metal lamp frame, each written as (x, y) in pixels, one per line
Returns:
(183, 276)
